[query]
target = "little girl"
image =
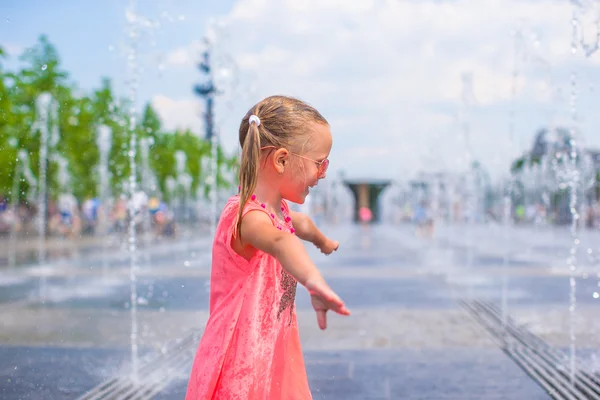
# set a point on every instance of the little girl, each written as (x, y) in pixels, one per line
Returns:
(250, 349)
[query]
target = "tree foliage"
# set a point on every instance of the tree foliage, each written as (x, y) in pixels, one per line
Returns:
(79, 115)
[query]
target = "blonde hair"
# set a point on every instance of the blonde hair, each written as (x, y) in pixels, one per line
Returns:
(282, 121)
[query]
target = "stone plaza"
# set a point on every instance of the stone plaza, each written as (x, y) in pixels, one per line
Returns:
(66, 326)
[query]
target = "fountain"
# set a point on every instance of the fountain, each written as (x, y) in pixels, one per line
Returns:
(133, 86)
(171, 185)
(469, 193)
(573, 179)
(104, 141)
(149, 187)
(183, 185)
(180, 160)
(507, 185)
(21, 170)
(522, 41)
(47, 125)
(14, 206)
(576, 158)
(43, 103)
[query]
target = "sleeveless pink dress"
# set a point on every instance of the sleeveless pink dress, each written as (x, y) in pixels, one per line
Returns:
(250, 349)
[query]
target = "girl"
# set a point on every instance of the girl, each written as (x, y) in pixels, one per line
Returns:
(251, 348)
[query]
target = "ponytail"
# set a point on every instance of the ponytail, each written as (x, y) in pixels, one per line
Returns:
(249, 166)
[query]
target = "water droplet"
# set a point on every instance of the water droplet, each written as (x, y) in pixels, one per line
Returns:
(596, 295)
(8, 20)
(182, 17)
(44, 67)
(183, 286)
(186, 263)
(111, 48)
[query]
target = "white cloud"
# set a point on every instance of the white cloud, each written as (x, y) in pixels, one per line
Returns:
(178, 114)
(186, 56)
(13, 49)
(179, 57)
(387, 73)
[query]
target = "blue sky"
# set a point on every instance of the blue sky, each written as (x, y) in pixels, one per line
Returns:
(89, 34)
(386, 73)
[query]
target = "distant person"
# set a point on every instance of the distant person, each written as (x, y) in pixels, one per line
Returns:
(163, 220)
(520, 213)
(6, 216)
(70, 223)
(90, 213)
(365, 216)
(423, 220)
(251, 347)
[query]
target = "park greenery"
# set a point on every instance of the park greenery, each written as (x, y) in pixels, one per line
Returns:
(79, 116)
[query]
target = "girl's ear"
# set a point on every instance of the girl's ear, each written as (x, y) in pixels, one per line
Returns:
(280, 159)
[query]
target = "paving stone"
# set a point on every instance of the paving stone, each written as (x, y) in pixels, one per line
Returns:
(407, 338)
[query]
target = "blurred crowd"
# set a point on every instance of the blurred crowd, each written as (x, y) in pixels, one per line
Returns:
(66, 217)
(423, 215)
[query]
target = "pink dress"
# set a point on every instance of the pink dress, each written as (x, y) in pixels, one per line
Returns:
(250, 349)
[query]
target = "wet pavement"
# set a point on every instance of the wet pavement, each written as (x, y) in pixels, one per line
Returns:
(66, 325)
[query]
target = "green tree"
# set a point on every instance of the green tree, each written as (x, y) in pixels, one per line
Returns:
(79, 117)
(78, 145)
(111, 112)
(41, 74)
(8, 151)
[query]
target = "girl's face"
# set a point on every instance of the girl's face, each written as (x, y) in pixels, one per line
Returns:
(304, 169)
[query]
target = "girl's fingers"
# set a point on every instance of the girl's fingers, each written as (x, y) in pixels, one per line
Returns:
(322, 318)
(339, 307)
(334, 301)
(343, 311)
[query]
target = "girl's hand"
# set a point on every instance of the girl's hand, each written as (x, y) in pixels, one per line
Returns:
(328, 246)
(324, 299)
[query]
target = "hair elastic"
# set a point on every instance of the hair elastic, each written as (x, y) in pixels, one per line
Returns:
(254, 118)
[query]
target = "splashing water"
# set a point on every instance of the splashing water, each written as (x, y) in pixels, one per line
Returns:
(46, 117)
(104, 143)
(573, 177)
(508, 184)
(20, 169)
(132, 83)
(470, 185)
(148, 187)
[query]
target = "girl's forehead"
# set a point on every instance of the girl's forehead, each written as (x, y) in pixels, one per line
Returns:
(320, 139)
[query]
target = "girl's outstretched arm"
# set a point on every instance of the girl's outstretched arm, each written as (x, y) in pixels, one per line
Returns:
(307, 230)
(258, 231)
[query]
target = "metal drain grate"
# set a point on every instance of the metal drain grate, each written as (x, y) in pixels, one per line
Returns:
(545, 364)
(153, 376)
